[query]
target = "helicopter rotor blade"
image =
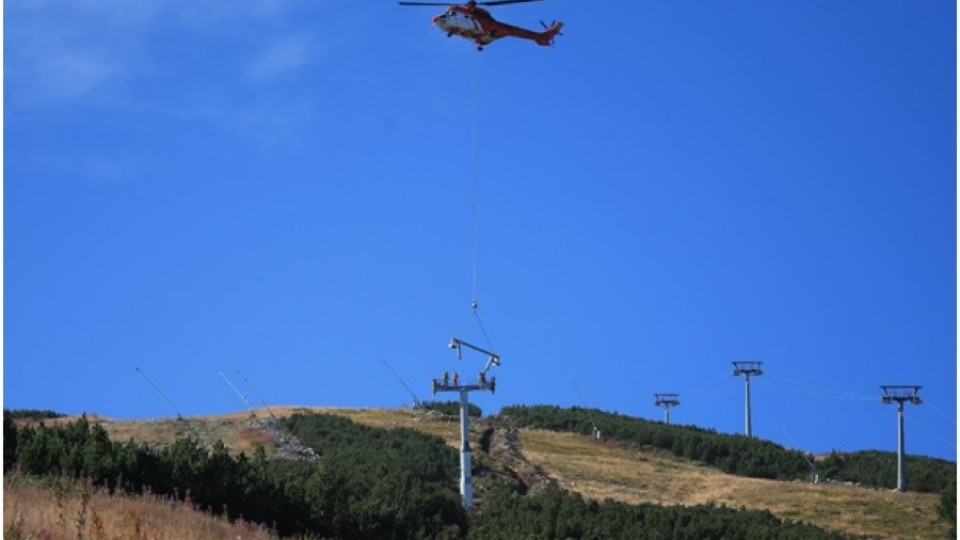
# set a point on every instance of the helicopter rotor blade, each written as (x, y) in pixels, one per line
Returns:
(502, 2)
(491, 3)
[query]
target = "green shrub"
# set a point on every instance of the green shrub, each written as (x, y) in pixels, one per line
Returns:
(452, 408)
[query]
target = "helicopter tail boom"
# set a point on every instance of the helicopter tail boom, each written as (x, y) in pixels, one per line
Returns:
(546, 38)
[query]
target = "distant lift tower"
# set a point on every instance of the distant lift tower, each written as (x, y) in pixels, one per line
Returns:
(446, 385)
(666, 401)
(900, 394)
(747, 369)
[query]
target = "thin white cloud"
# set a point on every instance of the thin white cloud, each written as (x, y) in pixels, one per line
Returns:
(117, 11)
(73, 73)
(269, 123)
(283, 57)
(95, 165)
(66, 50)
(214, 13)
(219, 62)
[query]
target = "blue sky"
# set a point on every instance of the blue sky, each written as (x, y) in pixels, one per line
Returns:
(285, 188)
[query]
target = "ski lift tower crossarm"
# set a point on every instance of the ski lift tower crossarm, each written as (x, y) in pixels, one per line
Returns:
(458, 345)
(666, 401)
(446, 385)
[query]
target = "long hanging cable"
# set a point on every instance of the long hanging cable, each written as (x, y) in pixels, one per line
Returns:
(474, 226)
(474, 214)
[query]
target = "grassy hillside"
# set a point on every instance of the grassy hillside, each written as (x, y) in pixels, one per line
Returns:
(605, 470)
(734, 453)
(601, 470)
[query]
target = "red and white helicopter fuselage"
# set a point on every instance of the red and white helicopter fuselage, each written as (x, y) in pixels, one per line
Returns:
(477, 25)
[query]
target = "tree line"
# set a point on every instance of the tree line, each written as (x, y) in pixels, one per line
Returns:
(451, 408)
(879, 469)
(33, 414)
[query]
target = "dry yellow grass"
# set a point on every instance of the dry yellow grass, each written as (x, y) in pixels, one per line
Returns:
(240, 434)
(604, 470)
(76, 511)
(236, 434)
(389, 418)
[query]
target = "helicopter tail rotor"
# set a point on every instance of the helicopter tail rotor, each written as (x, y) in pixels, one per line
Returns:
(546, 38)
(552, 24)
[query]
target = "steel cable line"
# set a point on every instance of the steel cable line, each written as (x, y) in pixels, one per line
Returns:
(596, 430)
(823, 392)
(817, 393)
(474, 212)
(711, 389)
(931, 431)
(474, 218)
(814, 391)
(940, 411)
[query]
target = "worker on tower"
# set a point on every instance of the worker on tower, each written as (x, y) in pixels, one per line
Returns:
(456, 379)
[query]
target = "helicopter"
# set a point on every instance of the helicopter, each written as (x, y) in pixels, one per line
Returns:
(476, 24)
